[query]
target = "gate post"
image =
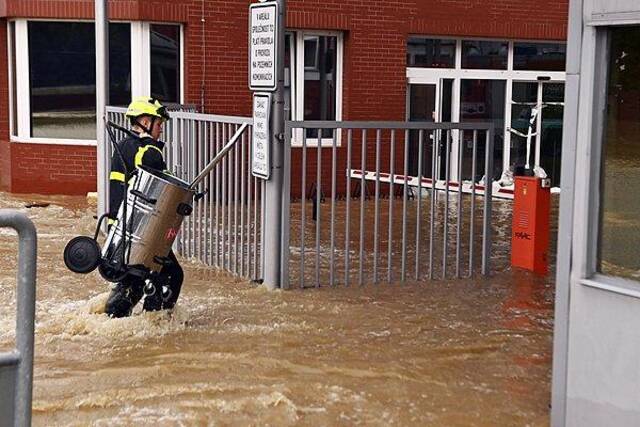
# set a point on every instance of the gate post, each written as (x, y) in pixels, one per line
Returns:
(272, 226)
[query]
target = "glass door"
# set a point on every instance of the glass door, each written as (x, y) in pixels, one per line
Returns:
(428, 102)
(536, 126)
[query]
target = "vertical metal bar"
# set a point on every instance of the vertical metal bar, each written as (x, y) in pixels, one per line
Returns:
(403, 271)
(200, 227)
(229, 202)
(263, 203)
(184, 149)
(435, 148)
(243, 161)
(256, 198)
(376, 219)
(180, 173)
(236, 181)
(286, 210)
(194, 167)
(419, 204)
(473, 202)
(185, 172)
(187, 161)
(318, 199)
(209, 196)
(248, 210)
(223, 248)
(459, 214)
(362, 194)
(218, 201)
(347, 225)
(333, 206)
(392, 159)
(250, 198)
(304, 207)
(447, 177)
(488, 195)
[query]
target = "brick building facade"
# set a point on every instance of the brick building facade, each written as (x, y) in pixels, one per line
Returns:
(374, 84)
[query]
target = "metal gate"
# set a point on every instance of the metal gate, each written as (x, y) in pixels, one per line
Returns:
(225, 229)
(361, 208)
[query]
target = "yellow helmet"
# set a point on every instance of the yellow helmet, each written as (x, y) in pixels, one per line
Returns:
(145, 106)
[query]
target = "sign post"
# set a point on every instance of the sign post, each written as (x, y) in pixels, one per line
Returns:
(266, 74)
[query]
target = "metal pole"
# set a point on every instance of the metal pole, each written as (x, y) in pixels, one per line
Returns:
(102, 99)
(26, 307)
(274, 191)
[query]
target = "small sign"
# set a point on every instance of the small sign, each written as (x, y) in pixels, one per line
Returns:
(263, 53)
(261, 143)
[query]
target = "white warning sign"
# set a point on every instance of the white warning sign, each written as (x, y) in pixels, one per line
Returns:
(261, 143)
(263, 25)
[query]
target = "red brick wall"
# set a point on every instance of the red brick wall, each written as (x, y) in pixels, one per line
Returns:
(374, 83)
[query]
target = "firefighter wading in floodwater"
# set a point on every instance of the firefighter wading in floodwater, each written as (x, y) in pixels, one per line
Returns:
(146, 116)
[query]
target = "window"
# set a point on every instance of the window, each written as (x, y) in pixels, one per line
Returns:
(62, 80)
(313, 80)
(52, 75)
(497, 80)
(431, 53)
(165, 62)
(539, 56)
(620, 204)
(488, 55)
(484, 101)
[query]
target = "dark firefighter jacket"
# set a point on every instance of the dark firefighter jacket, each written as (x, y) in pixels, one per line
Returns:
(144, 151)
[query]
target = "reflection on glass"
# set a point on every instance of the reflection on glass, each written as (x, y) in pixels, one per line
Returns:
(431, 53)
(62, 80)
(119, 64)
(483, 54)
(525, 97)
(62, 77)
(551, 138)
(422, 108)
(539, 56)
(165, 62)
(320, 81)
(620, 200)
(483, 101)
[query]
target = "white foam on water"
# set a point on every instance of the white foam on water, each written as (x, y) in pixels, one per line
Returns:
(73, 320)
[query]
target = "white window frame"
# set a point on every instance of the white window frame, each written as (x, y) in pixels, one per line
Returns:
(140, 76)
(297, 85)
(419, 75)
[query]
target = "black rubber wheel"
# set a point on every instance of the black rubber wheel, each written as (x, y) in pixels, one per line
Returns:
(82, 255)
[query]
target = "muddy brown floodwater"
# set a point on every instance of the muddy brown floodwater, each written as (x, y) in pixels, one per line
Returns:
(470, 352)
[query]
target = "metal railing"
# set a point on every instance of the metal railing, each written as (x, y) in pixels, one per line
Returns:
(435, 226)
(16, 367)
(225, 228)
